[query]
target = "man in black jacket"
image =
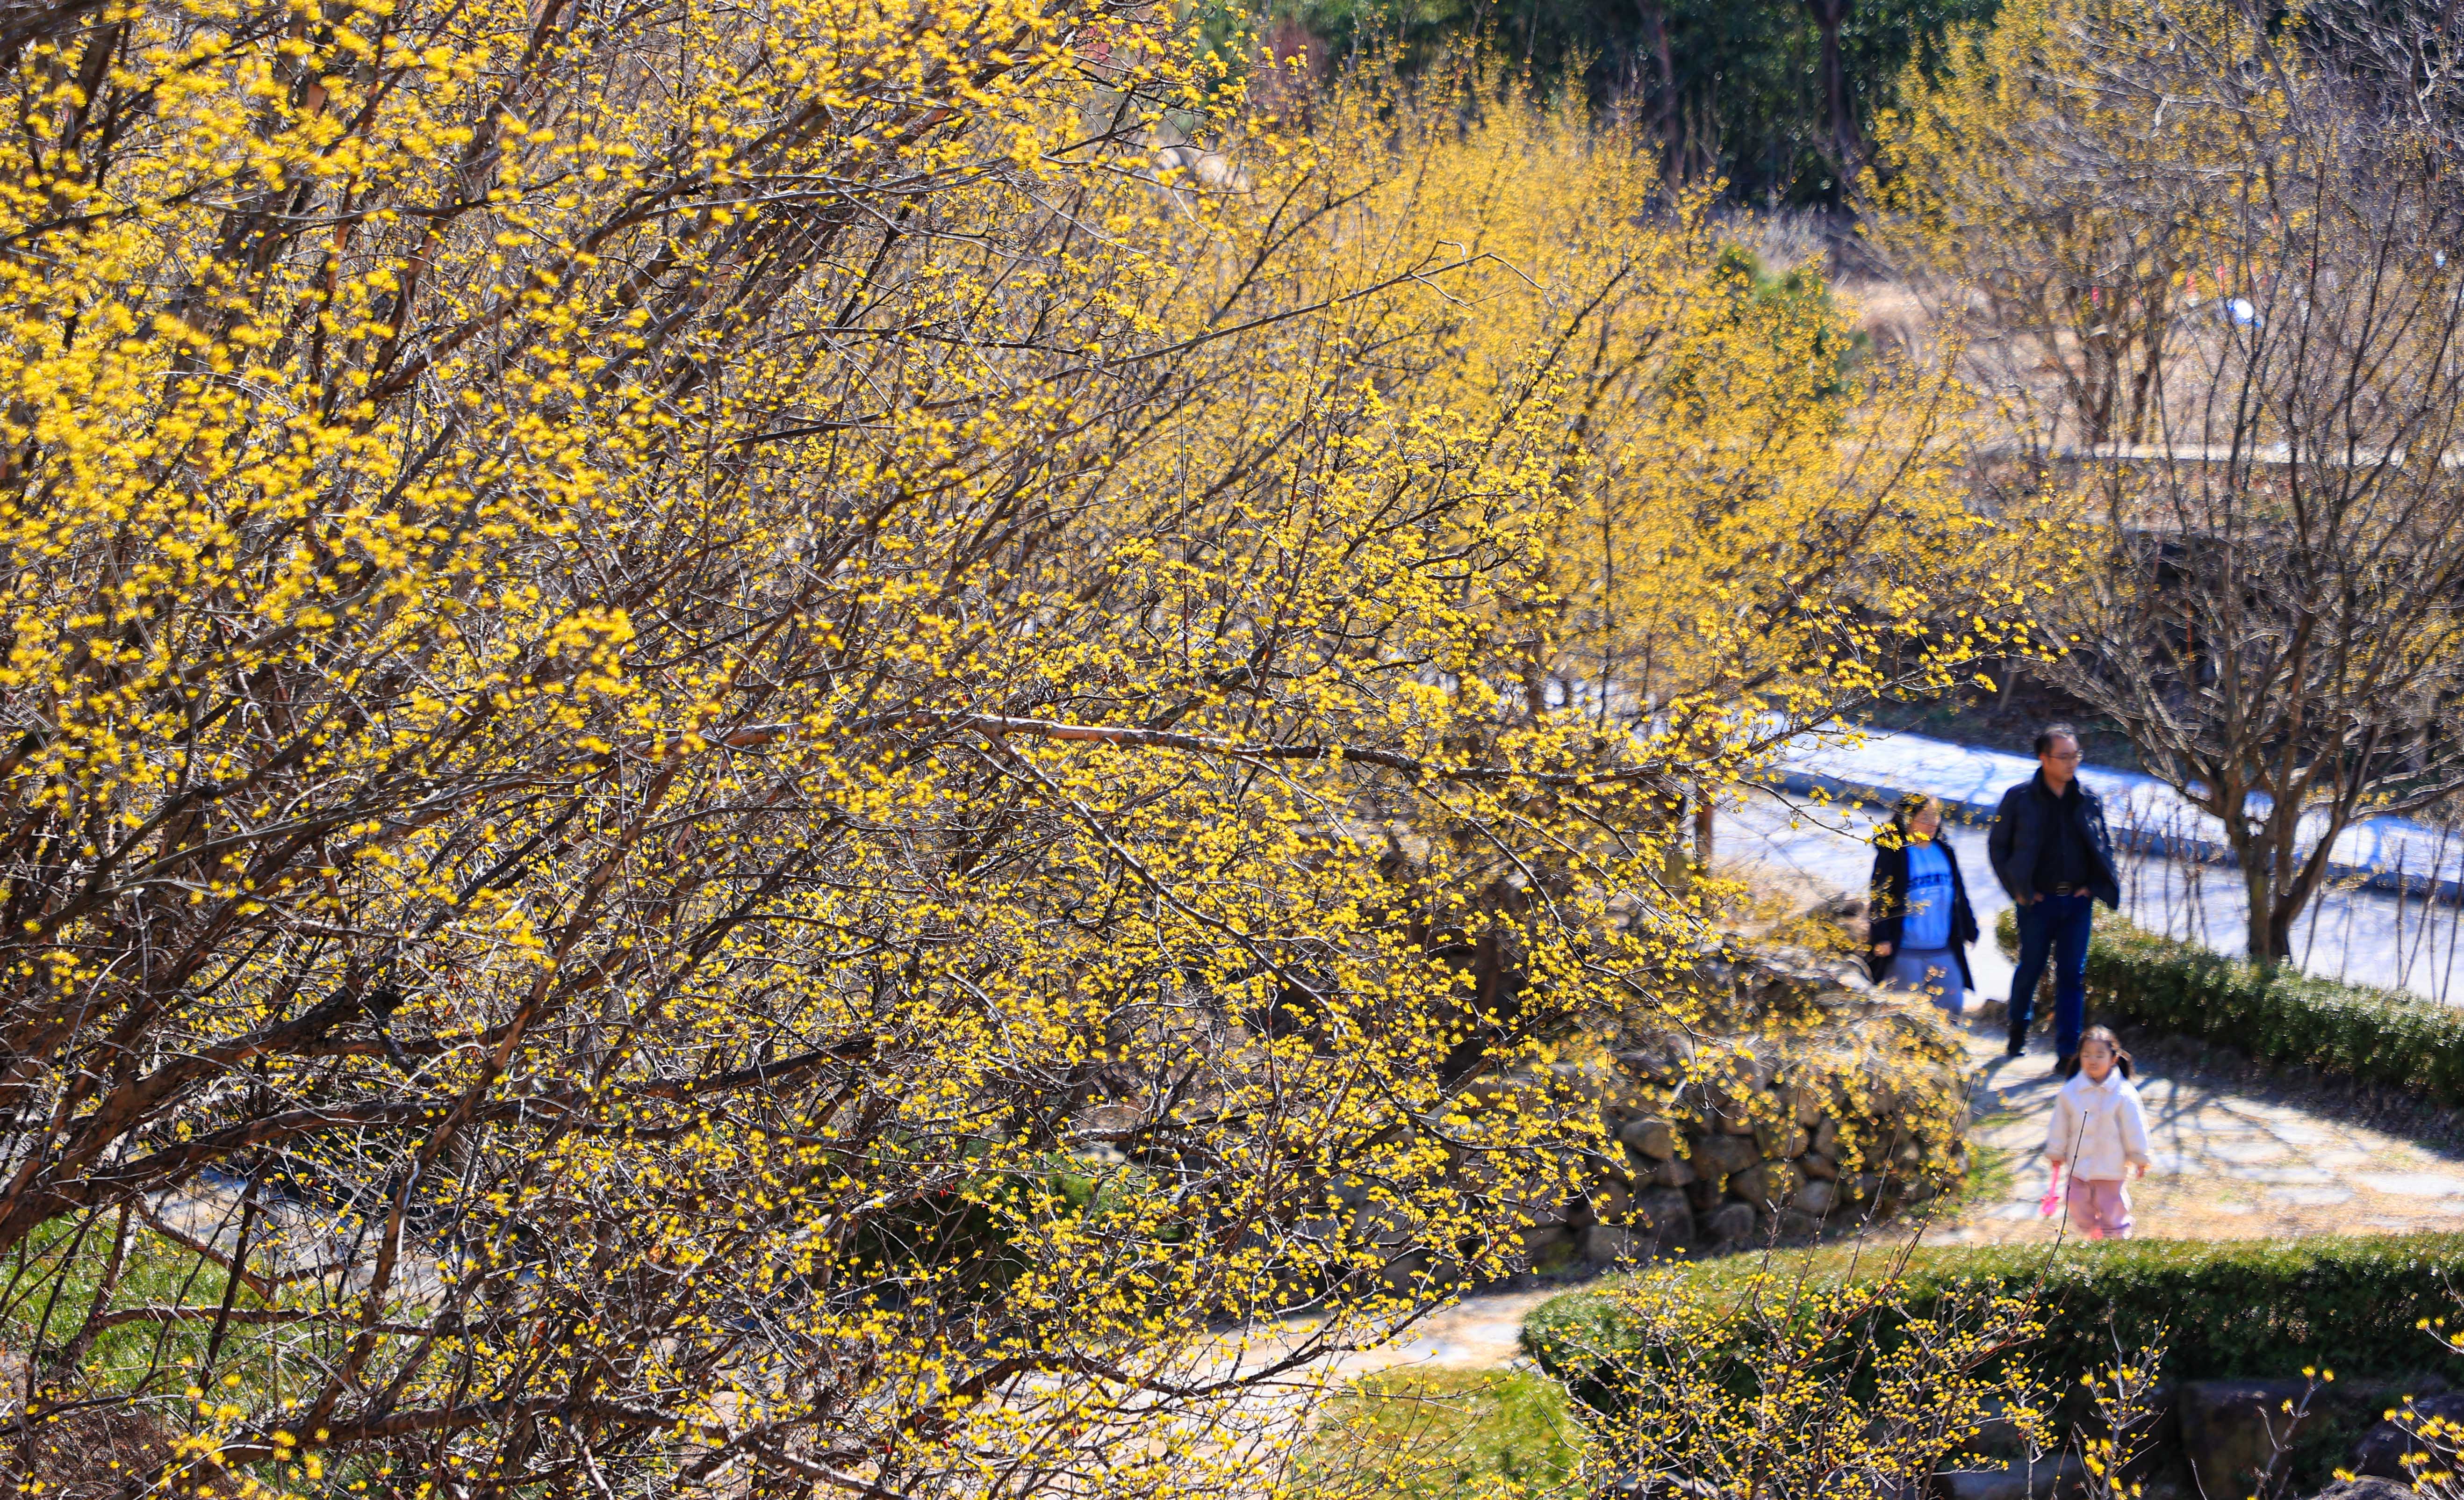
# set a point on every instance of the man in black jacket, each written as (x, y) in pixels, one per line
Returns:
(2050, 852)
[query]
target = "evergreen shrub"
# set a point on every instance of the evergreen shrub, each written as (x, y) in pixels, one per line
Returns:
(2137, 977)
(2241, 1309)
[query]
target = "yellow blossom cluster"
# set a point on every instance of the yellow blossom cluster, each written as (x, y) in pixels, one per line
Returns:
(743, 751)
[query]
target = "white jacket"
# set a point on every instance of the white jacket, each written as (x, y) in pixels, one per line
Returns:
(2098, 1127)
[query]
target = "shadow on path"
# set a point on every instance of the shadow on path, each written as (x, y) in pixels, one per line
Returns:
(2233, 1159)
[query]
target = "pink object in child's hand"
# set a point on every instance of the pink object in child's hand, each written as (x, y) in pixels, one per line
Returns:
(2052, 1193)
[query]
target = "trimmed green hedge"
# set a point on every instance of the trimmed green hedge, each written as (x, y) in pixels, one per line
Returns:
(2250, 1308)
(2136, 978)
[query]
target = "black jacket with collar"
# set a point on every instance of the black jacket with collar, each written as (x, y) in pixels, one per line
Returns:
(2025, 819)
(1888, 908)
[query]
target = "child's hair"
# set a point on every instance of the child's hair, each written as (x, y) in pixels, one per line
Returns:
(2105, 1035)
(1911, 808)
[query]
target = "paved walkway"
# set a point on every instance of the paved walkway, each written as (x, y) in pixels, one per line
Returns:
(1480, 1333)
(2233, 1162)
(2230, 1163)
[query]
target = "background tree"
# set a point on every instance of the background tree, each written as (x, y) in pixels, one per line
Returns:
(2269, 608)
(2047, 176)
(1770, 98)
(1846, 146)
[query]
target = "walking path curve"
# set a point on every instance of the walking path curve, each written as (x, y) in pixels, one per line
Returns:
(2234, 1160)
(2231, 1161)
(2387, 853)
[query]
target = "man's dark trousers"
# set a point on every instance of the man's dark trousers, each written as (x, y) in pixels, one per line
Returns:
(2054, 927)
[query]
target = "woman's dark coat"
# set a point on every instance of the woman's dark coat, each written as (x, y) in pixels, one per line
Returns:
(1889, 906)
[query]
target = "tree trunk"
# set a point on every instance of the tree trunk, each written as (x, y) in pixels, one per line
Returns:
(2302, 880)
(2266, 853)
(2258, 891)
(1846, 149)
(1664, 108)
(2280, 917)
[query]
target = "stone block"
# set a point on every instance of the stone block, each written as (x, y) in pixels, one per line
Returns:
(1728, 1117)
(1752, 1185)
(1718, 1156)
(1655, 1139)
(1773, 985)
(2380, 1452)
(1568, 1088)
(1728, 1223)
(1815, 1164)
(1661, 1174)
(2368, 1487)
(2019, 1481)
(1607, 1245)
(1826, 1137)
(1541, 1241)
(2236, 1433)
(1817, 1197)
(1761, 1065)
(1662, 1059)
(1766, 1185)
(1780, 1141)
(1611, 1201)
(1707, 1193)
(1665, 1214)
(1797, 1225)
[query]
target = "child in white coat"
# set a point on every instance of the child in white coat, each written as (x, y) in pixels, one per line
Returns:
(2101, 1131)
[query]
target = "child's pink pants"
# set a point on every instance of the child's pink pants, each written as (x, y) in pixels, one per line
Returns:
(2099, 1207)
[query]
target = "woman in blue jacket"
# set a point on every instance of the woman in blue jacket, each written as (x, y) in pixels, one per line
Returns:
(1920, 921)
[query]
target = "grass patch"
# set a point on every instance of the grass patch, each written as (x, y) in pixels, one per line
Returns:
(1991, 1172)
(1426, 1434)
(48, 1286)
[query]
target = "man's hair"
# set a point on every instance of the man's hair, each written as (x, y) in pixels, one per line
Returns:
(2046, 736)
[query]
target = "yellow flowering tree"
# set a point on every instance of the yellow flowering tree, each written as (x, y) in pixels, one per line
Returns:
(1751, 527)
(1780, 1383)
(740, 755)
(2067, 171)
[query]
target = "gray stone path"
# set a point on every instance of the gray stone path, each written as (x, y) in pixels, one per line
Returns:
(1478, 1332)
(2229, 1164)
(2232, 1163)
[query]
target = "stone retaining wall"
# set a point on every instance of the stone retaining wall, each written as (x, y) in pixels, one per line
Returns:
(1835, 1106)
